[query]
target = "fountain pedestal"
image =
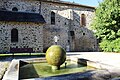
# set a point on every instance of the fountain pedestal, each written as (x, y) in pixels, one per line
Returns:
(55, 67)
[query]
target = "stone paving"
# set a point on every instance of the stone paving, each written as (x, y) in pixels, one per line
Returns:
(111, 59)
(3, 67)
(4, 63)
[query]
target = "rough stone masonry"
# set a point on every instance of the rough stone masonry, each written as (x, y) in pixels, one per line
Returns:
(31, 25)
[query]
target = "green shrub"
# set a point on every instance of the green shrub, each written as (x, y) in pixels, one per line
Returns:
(106, 25)
(110, 46)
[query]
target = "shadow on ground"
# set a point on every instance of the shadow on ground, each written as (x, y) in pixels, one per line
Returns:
(24, 72)
(88, 75)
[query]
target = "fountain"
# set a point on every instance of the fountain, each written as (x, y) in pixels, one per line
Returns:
(56, 38)
(64, 67)
(55, 64)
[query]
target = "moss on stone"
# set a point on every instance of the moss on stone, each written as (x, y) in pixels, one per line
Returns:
(55, 55)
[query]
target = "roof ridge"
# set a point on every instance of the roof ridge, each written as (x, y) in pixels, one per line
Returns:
(68, 3)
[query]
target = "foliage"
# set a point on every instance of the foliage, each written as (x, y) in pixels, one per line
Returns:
(21, 54)
(110, 46)
(106, 24)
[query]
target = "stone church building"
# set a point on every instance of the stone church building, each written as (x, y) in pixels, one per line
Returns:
(34, 25)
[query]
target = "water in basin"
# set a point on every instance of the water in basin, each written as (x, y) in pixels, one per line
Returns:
(43, 69)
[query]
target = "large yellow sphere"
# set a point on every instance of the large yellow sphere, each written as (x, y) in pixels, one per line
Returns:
(55, 55)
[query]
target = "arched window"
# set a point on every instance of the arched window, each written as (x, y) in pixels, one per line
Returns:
(83, 20)
(14, 9)
(52, 18)
(14, 35)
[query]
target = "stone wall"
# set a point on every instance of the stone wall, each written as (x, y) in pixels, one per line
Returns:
(38, 36)
(68, 19)
(30, 35)
(84, 38)
(21, 5)
(60, 28)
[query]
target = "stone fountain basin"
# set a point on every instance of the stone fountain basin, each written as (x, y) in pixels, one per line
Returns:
(104, 71)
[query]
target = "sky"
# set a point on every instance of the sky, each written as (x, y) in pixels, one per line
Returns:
(94, 3)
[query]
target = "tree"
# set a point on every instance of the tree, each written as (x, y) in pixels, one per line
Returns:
(106, 25)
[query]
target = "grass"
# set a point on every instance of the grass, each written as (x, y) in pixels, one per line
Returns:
(22, 54)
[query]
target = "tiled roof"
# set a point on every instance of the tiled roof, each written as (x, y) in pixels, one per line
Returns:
(21, 16)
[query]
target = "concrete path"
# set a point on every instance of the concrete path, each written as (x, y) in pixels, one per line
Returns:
(111, 59)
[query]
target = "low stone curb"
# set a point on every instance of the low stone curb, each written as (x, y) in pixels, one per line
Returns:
(13, 71)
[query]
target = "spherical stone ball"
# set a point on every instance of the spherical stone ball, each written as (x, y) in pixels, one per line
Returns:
(55, 55)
